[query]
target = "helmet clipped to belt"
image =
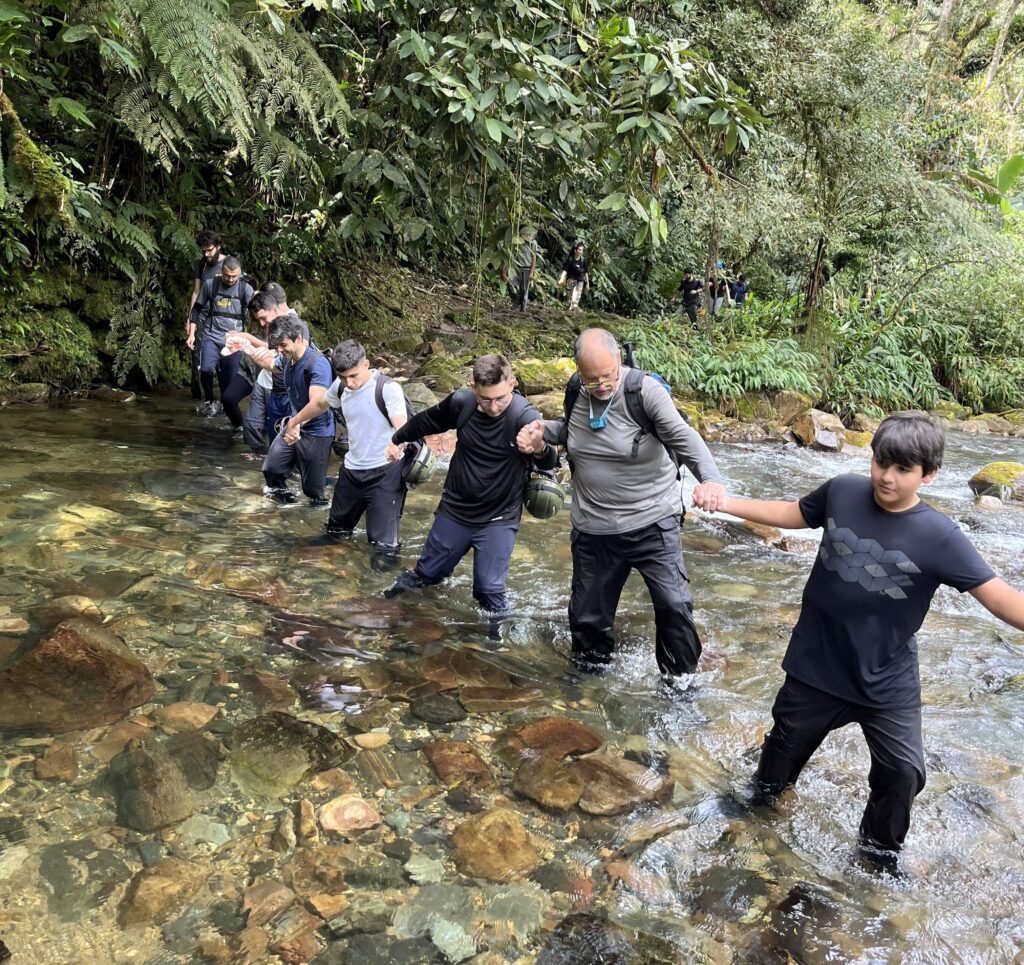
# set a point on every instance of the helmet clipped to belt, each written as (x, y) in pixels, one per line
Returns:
(419, 467)
(544, 498)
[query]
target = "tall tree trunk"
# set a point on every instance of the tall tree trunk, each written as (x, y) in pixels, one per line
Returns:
(711, 265)
(915, 30)
(944, 26)
(812, 298)
(1004, 31)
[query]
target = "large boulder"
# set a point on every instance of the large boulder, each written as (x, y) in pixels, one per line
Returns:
(419, 395)
(536, 375)
(999, 474)
(783, 407)
(820, 430)
(80, 676)
(952, 411)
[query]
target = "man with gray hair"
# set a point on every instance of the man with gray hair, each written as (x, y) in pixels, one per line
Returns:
(625, 442)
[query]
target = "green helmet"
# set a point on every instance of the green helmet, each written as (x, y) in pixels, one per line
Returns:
(421, 467)
(544, 497)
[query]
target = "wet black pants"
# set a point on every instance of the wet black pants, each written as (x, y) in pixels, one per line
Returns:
(377, 492)
(231, 397)
(600, 567)
(804, 716)
(311, 454)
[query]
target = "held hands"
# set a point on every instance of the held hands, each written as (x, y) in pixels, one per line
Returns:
(190, 342)
(292, 433)
(393, 451)
(531, 437)
(710, 496)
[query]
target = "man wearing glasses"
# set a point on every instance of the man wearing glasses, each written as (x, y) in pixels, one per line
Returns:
(482, 502)
(627, 504)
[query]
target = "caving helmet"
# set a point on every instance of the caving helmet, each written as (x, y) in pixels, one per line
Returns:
(421, 466)
(544, 498)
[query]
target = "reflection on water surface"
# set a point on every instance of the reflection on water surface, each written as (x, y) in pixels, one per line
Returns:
(375, 811)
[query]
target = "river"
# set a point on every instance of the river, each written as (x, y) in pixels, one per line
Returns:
(152, 514)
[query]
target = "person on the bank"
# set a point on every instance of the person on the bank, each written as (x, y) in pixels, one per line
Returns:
(525, 267)
(852, 657)
(575, 276)
(738, 290)
(370, 481)
(482, 503)
(717, 289)
(626, 503)
(222, 305)
(207, 266)
(692, 290)
(307, 376)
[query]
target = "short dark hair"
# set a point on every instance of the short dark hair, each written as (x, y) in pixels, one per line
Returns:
(687, 271)
(276, 291)
(262, 301)
(911, 438)
(742, 277)
(287, 326)
(347, 355)
(231, 263)
(491, 369)
(209, 239)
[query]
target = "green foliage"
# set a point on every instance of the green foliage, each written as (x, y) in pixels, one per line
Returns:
(136, 332)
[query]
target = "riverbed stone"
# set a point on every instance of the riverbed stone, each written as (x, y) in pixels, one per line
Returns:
(158, 891)
(198, 756)
(67, 608)
(993, 474)
(185, 715)
(820, 430)
(552, 737)
(79, 676)
(438, 708)
(456, 762)
(494, 845)
(612, 785)
(552, 784)
(264, 900)
(348, 813)
(59, 763)
(81, 875)
(582, 939)
(149, 788)
(267, 691)
(272, 754)
(498, 700)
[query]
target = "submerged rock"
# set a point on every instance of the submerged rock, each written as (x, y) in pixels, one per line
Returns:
(150, 790)
(552, 737)
(494, 845)
(583, 939)
(612, 785)
(550, 783)
(81, 876)
(59, 763)
(272, 754)
(80, 676)
(348, 813)
(456, 762)
(438, 708)
(496, 700)
(157, 891)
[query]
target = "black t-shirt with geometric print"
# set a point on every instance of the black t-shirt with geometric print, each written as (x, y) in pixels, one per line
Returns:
(869, 592)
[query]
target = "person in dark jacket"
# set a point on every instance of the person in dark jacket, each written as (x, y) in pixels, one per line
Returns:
(739, 290)
(575, 276)
(692, 290)
(207, 266)
(482, 503)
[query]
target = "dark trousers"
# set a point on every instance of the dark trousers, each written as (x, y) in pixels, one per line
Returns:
(264, 412)
(691, 311)
(804, 716)
(522, 288)
(448, 541)
(310, 454)
(377, 492)
(600, 567)
(238, 388)
(226, 367)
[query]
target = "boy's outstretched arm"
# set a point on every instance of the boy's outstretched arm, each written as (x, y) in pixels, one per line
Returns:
(1001, 600)
(772, 512)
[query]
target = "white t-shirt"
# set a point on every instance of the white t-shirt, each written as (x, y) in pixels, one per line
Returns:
(368, 431)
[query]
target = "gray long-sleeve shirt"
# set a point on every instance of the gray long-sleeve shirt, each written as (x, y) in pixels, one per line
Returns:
(613, 492)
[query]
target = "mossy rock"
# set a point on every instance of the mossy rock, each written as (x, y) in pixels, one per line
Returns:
(175, 364)
(1016, 418)
(60, 348)
(53, 289)
(1010, 474)
(537, 375)
(862, 422)
(24, 392)
(859, 439)
(953, 411)
(782, 406)
(549, 404)
(446, 372)
(997, 424)
(693, 412)
(102, 304)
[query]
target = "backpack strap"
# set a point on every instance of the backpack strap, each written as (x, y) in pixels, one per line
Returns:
(465, 402)
(378, 397)
(632, 387)
(516, 408)
(572, 393)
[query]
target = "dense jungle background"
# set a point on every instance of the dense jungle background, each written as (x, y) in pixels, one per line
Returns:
(859, 162)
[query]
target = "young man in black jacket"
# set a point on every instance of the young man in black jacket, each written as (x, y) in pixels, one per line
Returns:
(482, 502)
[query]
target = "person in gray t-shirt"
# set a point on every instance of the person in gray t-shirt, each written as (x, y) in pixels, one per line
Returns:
(627, 504)
(525, 267)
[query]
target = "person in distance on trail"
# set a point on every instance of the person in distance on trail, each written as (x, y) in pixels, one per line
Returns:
(482, 503)
(221, 308)
(370, 480)
(625, 441)
(207, 266)
(852, 657)
(307, 376)
(692, 290)
(575, 276)
(525, 267)
(738, 290)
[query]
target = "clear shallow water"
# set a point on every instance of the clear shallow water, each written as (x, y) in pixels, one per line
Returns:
(152, 513)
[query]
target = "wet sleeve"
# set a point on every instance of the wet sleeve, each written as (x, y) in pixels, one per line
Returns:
(676, 434)
(958, 564)
(814, 505)
(430, 422)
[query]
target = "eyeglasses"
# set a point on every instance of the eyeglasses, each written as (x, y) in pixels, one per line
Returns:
(497, 400)
(603, 380)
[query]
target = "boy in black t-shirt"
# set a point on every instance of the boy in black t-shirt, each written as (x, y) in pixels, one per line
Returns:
(852, 657)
